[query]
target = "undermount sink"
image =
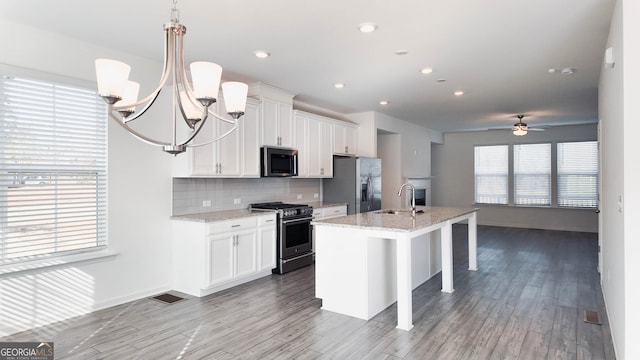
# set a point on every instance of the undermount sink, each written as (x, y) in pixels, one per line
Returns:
(398, 211)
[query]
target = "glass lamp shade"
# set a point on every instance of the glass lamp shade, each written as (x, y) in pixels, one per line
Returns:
(112, 76)
(129, 96)
(191, 111)
(206, 79)
(235, 96)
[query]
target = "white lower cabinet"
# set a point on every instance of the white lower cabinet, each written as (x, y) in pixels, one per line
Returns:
(267, 245)
(232, 255)
(213, 256)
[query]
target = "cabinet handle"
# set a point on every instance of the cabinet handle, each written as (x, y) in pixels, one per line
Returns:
(236, 225)
(321, 171)
(346, 149)
(270, 220)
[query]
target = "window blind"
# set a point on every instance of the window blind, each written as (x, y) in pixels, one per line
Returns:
(532, 174)
(578, 174)
(491, 168)
(53, 177)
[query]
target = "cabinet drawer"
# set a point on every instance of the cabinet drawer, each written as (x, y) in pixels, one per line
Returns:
(267, 220)
(232, 225)
(334, 211)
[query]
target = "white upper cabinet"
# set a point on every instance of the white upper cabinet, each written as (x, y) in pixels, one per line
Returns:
(234, 155)
(276, 124)
(345, 138)
(314, 141)
(276, 121)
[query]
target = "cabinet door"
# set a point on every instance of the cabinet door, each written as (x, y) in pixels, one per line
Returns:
(228, 149)
(351, 140)
(325, 149)
(221, 254)
(344, 139)
(251, 142)
(300, 143)
(203, 158)
(245, 252)
(269, 123)
(286, 126)
(313, 138)
(267, 238)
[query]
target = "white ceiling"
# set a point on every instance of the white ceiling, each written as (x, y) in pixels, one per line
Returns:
(497, 51)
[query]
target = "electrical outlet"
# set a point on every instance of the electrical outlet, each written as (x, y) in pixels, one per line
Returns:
(237, 201)
(206, 203)
(299, 196)
(315, 195)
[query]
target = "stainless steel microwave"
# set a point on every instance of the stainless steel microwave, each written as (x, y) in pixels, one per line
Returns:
(278, 162)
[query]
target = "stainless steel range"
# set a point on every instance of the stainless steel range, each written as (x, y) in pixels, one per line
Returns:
(294, 234)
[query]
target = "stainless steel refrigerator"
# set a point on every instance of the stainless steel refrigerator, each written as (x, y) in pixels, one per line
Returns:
(356, 181)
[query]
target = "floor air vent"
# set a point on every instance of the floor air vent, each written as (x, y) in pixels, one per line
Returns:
(591, 317)
(167, 298)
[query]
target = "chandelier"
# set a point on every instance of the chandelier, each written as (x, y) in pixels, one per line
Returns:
(520, 128)
(121, 94)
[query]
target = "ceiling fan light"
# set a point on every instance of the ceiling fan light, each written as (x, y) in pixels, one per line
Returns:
(519, 132)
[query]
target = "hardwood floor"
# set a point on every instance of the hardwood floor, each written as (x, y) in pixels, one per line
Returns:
(527, 301)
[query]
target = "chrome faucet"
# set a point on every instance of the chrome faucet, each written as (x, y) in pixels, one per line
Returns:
(413, 196)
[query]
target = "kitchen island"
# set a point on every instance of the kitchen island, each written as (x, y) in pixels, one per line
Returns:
(364, 261)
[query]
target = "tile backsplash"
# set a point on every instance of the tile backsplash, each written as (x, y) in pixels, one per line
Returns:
(190, 195)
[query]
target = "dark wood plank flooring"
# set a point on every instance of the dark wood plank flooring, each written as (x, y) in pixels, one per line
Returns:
(527, 301)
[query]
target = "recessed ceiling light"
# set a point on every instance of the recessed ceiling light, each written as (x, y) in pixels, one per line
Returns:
(338, 85)
(458, 93)
(367, 27)
(261, 54)
(402, 52)
(384, 102)
(426, 70)
(567, 71)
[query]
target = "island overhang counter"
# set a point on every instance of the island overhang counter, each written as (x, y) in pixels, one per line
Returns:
(356, 256)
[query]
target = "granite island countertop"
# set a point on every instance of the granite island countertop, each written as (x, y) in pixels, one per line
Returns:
(404, 222)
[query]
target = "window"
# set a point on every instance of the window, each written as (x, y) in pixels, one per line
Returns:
(532, 174)
(53, 177)
(491, 164)
(578, 174)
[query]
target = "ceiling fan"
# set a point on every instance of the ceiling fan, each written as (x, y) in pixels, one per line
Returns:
(520, 128)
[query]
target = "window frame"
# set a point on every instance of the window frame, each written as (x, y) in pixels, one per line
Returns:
(554, 193)
(57, 258)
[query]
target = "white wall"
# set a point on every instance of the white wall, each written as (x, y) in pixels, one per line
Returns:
(453, 182)
(619, 112)
(139, 201)
(413, 141)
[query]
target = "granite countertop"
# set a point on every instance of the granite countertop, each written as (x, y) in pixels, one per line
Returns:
(405, 222)
(219, 215)
(322, 204)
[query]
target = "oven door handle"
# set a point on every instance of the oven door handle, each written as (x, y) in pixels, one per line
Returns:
(294, 221)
